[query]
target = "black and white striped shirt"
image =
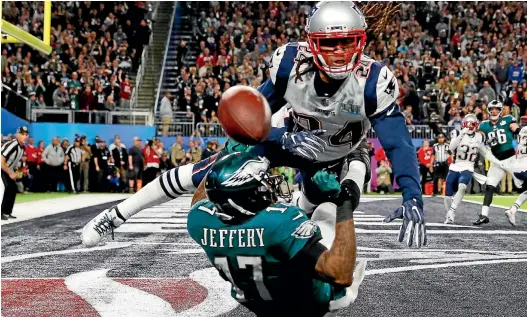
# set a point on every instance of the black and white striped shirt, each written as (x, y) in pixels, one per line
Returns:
(12, 151)
(441, 152)
(74, 153)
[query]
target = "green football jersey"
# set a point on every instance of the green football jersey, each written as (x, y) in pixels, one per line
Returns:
(255, 256)
(502, 147)
(232, 146)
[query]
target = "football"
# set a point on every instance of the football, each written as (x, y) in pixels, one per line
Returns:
(244, 114)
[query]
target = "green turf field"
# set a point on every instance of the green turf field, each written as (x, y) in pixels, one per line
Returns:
(498, 200)
(24, 198)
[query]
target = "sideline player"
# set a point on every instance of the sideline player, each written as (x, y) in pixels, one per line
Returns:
(499, 132)
(519, 170)
(466, 148)
(272, 253)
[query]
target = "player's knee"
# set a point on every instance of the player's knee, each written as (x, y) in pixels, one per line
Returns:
(349, 194)
(489, 189)
(462, 187)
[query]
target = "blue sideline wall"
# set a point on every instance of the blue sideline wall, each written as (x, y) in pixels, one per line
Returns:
(46, 131)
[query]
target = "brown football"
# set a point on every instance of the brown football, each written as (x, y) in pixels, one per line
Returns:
(244, 114)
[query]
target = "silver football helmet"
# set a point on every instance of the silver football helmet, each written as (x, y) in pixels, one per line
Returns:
(336, 32)
(494, 104)
(471, 122)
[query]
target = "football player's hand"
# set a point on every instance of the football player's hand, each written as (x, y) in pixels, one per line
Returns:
(305, 143)
(327, 183)
(413, 226)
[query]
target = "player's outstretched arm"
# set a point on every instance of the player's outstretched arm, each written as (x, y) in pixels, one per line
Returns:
(391, 130)
(455, 141)
(337, 263)
(488, 155)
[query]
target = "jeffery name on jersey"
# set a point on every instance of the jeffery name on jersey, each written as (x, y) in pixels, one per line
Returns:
(466, 152)
(368, 91)
(499, 136)
(255, 255)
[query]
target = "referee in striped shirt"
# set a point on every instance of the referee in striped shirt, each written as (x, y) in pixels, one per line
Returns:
(72, 161)
(12, 152)
(440, 163)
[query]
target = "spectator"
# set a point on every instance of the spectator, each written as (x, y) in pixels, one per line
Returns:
(102, 159)
(135, 166)
(165, 164)
(487, 93)
(384, 183)
(60, 97)
(195, 151)
(165, 112)
(177, 152)
(53, 157)
(515, 72)
(209, 151)
(120, 158)
(126, 93)
(425, 157)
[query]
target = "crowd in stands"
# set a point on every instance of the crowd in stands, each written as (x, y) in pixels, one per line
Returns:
(113, 167)
(96, 46)
(450, 58)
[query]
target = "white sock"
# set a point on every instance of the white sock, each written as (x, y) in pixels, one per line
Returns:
(357, 173)
(485, 211)
(519, 201)
(325, 216)
(458, 197)
(304, 204)
(448, 202)
(164, 188)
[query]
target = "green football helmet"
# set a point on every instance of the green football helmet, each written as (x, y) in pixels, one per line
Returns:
(240, 185)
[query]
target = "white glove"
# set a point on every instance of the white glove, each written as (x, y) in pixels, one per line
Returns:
(465, 131)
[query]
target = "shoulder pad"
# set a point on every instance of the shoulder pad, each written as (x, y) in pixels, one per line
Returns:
(283, 61)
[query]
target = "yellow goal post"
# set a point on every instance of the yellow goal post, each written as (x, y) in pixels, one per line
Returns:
(13, 34)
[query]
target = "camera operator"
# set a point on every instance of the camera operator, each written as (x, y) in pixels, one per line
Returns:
(428, 75)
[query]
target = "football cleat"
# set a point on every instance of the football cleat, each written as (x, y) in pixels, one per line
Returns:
(481, 220)
(511, 214)
(98, 227)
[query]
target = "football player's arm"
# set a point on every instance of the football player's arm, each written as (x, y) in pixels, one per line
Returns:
(515, 128)
(380, 94)
(334, 265)
(274, 88)
(200, 193)
(455, 142)
(488, 154)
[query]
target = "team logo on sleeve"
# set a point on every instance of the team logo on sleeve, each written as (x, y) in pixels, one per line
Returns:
(390, 90)
(306, 230)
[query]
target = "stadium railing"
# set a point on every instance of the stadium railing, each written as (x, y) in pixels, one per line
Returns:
(109, 117)
(162, 73)
(183, 123)
(210, 129)
(12, 101)
(416, 131)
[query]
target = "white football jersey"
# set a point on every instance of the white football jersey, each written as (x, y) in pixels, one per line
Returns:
(520, 165)
(466, 149)
(369, 90)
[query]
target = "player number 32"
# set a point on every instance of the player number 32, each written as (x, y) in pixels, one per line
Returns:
(245, 262)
